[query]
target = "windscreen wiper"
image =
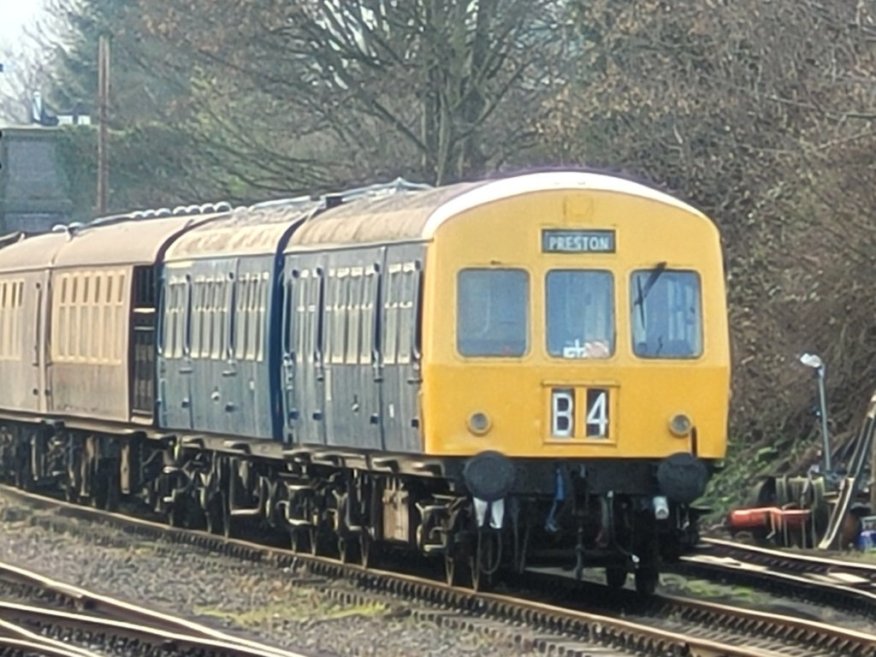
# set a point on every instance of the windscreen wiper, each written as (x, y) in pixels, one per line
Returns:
(642, 294)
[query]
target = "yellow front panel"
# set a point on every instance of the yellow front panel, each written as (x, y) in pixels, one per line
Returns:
(642, 395)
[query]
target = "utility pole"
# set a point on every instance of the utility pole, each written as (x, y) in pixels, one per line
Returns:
(103, 89)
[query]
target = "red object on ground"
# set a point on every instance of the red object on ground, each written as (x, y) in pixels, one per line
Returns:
(767, 517)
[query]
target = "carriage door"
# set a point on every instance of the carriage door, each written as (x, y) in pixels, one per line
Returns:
(143, 341)
(352, 392)
(41, 340)
(175, 359)
(288, 351)
(307, 413)
(401, 351)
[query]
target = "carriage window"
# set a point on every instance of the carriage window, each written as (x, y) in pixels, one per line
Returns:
(580, 314)
(666, 313)
(492, 309)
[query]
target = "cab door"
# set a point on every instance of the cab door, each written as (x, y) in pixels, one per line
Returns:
(400, 352)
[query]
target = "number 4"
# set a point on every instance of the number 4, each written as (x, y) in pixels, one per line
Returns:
(597, 413)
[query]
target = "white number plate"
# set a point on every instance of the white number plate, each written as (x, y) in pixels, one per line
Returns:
(564, 415)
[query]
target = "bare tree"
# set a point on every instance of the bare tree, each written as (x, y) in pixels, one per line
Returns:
(763, 115)
(421, 83)
(27, 70)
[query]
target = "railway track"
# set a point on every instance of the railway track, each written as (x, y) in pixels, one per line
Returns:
(51, 617)
(845, 584)
(569, 617)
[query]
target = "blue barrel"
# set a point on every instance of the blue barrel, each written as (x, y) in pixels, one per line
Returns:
(867, 540)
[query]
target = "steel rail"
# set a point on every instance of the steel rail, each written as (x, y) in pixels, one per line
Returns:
(43, 646)
(112, 608)
(564, 622)
(846, 584)
(798, 562)
(20, 616)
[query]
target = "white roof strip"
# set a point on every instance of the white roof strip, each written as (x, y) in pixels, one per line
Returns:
(539, 182)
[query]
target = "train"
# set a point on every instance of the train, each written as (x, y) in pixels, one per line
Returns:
(524, 371)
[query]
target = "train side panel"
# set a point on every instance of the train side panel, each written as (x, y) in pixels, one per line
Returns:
(400, 351)
(303, 360)
(215, 359)
(23, 304)
(88, 369)
(351, 355)
(254, 313)
(174, 358)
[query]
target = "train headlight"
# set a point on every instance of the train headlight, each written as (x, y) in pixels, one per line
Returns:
(680, 425)
(479, 423)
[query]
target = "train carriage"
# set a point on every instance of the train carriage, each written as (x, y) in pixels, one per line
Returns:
(101, 361)
(523, 371)
(220, 323)
(24, 281)
(555, 341)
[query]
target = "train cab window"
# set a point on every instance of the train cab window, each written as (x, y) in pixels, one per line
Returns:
(580, 314)
(666, 313)
(492, 312)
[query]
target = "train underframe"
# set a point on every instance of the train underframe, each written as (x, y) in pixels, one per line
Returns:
(553, 515)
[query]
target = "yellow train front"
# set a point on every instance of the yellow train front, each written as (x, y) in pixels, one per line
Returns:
(575, 353)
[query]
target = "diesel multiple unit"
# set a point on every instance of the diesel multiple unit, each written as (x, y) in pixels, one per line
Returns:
(523, 371)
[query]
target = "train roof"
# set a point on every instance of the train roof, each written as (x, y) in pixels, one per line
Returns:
(416, 215)
(255, 230)
(37, 252)
(126, 242)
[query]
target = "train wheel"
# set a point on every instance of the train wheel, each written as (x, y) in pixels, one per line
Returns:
(365, 545)
(648, 572)
(176, 513)
(347, 549)
(314, 538)
(218, 516)
(482, 562)
(615, 577)
(23, 464)
(450, 569)
(104, 491)
(646, 580)
(298, 540)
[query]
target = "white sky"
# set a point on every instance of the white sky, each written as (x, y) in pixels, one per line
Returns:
(14, 16)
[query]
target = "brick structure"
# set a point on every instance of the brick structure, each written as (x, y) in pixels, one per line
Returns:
(34, 192)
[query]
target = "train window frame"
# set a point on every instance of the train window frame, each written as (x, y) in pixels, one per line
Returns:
(390, 324)
(591, 347)
(262, 314)
(241, 324)
(408, 350)
(354, 316)
(483, 311)
(305, 336)
(289, 287)
(654, 275)
(230, 315)
(189, 311)
(97, 326)
(369, 348)
(84, 318)
(336, 323)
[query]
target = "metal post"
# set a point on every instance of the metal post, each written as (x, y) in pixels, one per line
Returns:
(103, 77)
(813, 361)
(825, 438)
